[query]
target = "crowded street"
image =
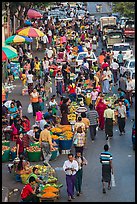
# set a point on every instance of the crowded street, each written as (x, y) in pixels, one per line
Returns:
(65, 93)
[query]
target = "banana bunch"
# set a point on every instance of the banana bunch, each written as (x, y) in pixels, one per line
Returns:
(72, 117)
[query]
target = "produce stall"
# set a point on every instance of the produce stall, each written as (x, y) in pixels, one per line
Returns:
(63, 135)
(34, 153)
(5, 153)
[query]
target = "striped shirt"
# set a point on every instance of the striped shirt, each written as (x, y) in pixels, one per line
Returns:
(92, 116)
(105, 157)
(58, 78)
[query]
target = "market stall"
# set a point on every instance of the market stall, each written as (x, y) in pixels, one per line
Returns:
(63, 135)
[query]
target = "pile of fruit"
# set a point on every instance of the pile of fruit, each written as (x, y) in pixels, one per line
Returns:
(65, 127)
(33, 149)
(55, 137)
(49, 195)
(66, 135)
(14, 149)
(72, 117)
(56, 130)
(4, 148)
(73, 106)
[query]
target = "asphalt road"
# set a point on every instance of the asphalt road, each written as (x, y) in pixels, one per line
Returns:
(123, 161)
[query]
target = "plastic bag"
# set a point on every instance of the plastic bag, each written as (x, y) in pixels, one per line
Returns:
(30, 110)
(113, 180)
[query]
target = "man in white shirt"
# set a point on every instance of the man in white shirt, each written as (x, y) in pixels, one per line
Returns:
(50, 52)
(70, 167)
(45, 40)
(30, 81)
(115, 66)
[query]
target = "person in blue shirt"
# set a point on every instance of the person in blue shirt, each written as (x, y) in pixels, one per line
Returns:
(127, 104)
(48, 116)
(13, 111)
(80, 48)
(107, 169)
(121, 93)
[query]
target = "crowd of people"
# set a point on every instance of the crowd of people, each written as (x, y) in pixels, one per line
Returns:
(61, 44)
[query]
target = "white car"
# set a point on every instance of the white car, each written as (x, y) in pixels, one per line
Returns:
(132, 75)
(83, 55)
(125, 48)
(129, 65)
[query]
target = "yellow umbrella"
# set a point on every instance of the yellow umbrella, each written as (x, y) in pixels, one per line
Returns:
(31, 32)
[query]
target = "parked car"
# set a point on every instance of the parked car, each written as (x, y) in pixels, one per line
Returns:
(83, 55)
(132, 76)
(115, 36)
(125, 48)
(129, 29)
(122, 22)
(129, 65)
(133, 136)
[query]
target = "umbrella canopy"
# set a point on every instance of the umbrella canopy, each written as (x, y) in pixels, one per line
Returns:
(18, 39)
(8, 52)
(34, 14)
(31, 32)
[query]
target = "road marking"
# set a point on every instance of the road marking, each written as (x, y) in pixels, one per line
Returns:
(129, 155)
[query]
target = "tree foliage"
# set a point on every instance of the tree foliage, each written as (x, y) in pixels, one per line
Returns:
(20, 9)
(126, 9)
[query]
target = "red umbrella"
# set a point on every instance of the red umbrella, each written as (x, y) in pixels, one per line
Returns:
(4, 57)
(34, 14)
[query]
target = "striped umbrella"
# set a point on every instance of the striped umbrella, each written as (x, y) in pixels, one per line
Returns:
(18, 39)
(30, 32)
(8, 52)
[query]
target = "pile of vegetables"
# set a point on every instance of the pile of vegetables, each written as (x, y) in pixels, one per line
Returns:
(33, 149)
(45, 169)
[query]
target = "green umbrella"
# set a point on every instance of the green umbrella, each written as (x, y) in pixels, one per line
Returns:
(8, 52)
(18, 39)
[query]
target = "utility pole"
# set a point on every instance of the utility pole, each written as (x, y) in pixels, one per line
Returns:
(8, 20)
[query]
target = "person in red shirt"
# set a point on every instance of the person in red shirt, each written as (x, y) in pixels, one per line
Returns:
(28, 193)
(20, 145)
(25, 123)
(72, 91)
(104, 64)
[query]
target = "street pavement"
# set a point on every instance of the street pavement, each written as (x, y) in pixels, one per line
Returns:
(120, 147)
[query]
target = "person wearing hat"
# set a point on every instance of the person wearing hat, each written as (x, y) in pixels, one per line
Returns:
(109, 119)
(81, 108)
(46, 144)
